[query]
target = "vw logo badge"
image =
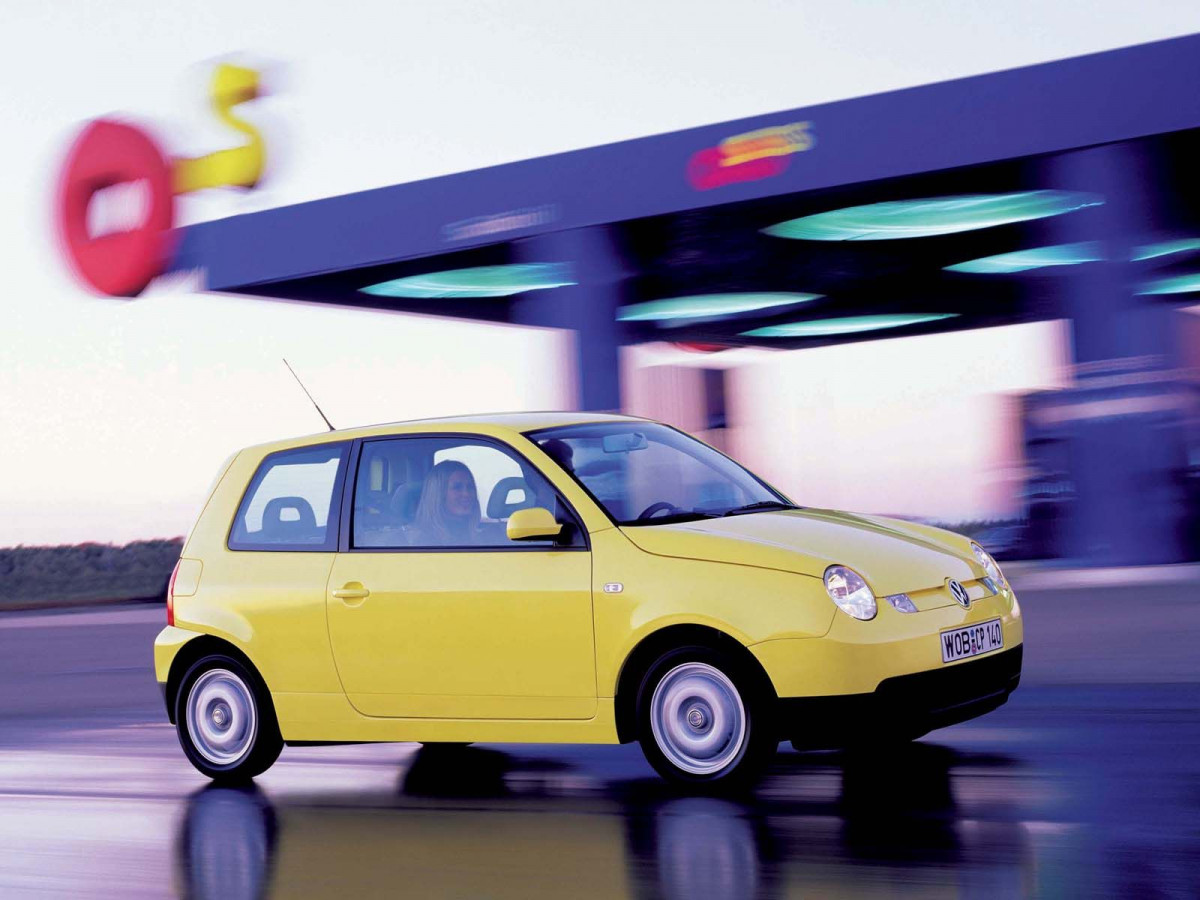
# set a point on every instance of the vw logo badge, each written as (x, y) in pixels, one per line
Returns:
(959, 592)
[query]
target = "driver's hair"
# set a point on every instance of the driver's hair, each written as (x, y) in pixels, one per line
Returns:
(433, 519)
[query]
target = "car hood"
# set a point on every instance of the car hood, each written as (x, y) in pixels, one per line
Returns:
(892, 555)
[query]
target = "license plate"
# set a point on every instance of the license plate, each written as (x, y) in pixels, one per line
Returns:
(961, 643)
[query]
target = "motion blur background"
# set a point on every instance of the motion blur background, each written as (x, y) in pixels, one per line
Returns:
(119, 412)
(1009, 347)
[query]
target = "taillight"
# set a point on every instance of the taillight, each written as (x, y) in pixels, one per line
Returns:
(171, 594)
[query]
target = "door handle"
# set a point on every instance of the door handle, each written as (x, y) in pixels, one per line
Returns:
(352, 591)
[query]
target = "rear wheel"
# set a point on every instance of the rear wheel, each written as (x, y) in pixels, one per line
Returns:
(703, 719)
(225, 720)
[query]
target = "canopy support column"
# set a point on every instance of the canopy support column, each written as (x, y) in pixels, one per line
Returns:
(587, 308)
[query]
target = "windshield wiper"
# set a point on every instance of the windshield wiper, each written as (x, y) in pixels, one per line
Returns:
(760, 505)
(672, 518)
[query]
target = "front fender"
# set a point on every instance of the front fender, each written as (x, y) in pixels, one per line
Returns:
(747, 603)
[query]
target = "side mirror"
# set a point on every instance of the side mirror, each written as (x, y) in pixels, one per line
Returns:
(535, 523)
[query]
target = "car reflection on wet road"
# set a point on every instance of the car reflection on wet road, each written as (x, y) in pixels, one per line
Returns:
(537, 828)
(1077, 787)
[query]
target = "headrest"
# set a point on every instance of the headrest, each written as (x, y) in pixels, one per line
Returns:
(405, 499)
(273, 514)
(509, 495)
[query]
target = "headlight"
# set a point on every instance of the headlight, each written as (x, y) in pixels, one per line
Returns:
(989, 564)
(847, 589)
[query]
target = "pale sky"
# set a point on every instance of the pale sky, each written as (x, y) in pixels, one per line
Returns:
(117, 413)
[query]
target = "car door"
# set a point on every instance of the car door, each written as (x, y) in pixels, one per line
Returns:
(433, 612)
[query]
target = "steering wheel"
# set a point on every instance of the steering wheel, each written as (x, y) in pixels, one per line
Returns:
(658, 507)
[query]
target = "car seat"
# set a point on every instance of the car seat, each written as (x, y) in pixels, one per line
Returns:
(299, 530)
(502, 503)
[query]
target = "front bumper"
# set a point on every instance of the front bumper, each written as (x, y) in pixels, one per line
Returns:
(905, 706)
(856, 657)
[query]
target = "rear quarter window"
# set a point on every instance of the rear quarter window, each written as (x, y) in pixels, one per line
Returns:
(289, 504)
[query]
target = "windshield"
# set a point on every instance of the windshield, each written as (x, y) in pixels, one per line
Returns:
(643, 473)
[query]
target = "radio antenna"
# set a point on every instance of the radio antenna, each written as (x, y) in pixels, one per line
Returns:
(307, 394)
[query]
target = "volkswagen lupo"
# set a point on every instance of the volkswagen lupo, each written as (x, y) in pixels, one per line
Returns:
(565, 578)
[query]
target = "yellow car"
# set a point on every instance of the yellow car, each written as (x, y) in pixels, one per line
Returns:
(563, 578)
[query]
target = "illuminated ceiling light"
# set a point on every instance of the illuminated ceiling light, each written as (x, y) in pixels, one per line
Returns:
(482, 281)
(1166, 248)
(1176, 284)
(932, 216)
(851, 325)
(1038, 258)
(1065, 255)
(679, 310)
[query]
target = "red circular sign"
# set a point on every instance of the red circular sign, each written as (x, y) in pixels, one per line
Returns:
(107, 154)
(701, 346)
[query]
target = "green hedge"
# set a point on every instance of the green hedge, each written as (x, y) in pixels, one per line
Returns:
(50, 576)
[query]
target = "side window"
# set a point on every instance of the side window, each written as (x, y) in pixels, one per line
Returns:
(448, 493)
(287, 505)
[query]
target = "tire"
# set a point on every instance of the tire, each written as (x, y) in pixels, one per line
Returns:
(226, 721)
(704, 719)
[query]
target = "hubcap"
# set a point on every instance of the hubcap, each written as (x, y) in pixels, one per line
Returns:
(697, 718)
(221, 717)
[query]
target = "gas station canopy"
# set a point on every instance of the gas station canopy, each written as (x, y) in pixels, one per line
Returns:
(925, 209)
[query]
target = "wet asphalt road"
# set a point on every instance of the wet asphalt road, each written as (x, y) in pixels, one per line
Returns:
(1086, 784)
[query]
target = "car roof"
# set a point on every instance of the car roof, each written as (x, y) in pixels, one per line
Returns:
(493, 424)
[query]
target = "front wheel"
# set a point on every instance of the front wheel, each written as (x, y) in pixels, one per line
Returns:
(225, 720)
(703, 720)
